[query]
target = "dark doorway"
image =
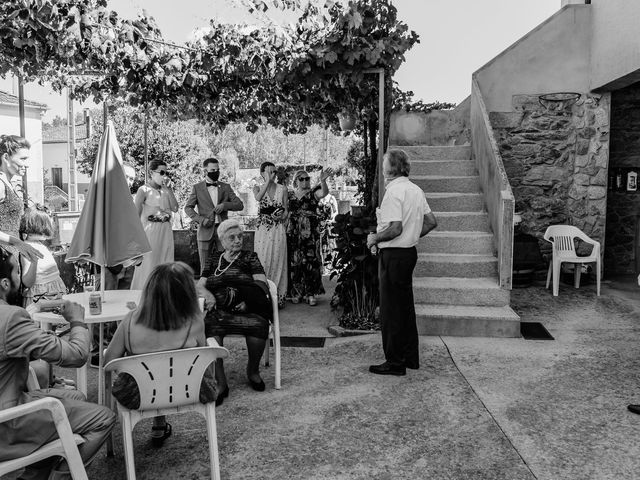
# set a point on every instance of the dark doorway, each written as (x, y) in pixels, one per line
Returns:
(56, 177)
(622, 238)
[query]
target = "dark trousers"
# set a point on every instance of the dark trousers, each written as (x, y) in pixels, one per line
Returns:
(207, 247)
(397, 311)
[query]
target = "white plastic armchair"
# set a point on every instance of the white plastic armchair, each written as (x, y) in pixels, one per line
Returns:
(274, 333)
(66, 446)
(169, 382)
(562, 239)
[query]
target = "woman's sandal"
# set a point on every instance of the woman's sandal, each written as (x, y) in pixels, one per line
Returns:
(158, 441)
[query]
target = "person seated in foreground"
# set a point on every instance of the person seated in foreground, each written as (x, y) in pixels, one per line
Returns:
(168, 318)
(21, 340)
(234, 286)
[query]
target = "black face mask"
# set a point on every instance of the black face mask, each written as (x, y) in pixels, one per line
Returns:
(214, 175)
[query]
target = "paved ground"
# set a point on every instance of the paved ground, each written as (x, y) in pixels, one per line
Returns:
(478, 408)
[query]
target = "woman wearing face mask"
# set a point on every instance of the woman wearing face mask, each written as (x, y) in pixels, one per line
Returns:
(303, 236)
(271, 236)
(155, 202)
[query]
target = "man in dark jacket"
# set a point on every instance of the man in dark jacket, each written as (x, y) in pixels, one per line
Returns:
(213, 200)
(20, 341)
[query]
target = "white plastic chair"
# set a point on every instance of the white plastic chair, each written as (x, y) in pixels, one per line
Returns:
(274, 333)
(65, 446)
(169, 382)
(562, 238)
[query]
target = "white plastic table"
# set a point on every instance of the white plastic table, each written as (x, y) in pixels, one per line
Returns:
(114, 309)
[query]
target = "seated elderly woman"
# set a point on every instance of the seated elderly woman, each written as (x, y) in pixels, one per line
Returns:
(234, 286)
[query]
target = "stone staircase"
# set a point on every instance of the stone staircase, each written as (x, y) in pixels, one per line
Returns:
(456, 285)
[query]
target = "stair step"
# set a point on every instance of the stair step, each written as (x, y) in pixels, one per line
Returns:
(440, 183)
(443, 167)
(456, 265)
(479, 243)
(424, 152)
(483, 291)
(467, 321)
(462, 221)
(455, 202)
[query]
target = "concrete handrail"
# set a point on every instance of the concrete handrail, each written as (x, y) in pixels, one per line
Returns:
(494, 183)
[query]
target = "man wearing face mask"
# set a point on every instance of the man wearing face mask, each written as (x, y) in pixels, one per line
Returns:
(213, 199)
(403, 217)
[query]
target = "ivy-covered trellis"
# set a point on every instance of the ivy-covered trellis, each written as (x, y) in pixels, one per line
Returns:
(289, 76)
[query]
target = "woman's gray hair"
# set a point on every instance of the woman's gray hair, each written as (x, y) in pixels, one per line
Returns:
(399, 162)
(227, 225)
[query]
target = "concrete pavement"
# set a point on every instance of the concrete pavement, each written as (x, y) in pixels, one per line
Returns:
(479, 408)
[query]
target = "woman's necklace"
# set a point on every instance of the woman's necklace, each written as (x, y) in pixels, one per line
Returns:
(219, 270)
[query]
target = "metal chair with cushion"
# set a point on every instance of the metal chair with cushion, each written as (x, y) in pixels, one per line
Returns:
(562, 238)
(169, 382)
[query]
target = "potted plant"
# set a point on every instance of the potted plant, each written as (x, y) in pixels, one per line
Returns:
(347, 119)
(355, 298)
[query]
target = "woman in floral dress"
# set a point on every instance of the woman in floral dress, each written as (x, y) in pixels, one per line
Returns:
(306, 218)
(270, 241)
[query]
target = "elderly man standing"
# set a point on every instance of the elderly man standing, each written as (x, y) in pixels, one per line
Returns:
(22, 340)
(213, 200)
(403, 218)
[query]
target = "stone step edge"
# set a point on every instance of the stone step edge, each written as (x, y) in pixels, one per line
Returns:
(468, 257)
(459, 233)
(442, 177)
(466, 311)
(456, 283)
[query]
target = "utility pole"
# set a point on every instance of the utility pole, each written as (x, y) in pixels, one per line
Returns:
(23, 134)
(72, 187)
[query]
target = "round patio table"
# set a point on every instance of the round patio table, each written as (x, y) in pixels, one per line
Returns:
(114, 309)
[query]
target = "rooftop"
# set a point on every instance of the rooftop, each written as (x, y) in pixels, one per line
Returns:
(7, 98)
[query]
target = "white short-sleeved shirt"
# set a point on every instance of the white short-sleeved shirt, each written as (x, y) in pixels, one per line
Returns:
(404, 202)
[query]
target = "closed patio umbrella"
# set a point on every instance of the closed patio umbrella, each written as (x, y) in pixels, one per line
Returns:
(109, 231)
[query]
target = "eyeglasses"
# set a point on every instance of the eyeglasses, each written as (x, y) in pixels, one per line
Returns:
(305, 179)
(162, 172)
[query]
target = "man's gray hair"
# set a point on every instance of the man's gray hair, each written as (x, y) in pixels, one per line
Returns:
(399, 162)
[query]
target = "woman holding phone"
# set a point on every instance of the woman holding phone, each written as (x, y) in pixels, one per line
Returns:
(270, 241)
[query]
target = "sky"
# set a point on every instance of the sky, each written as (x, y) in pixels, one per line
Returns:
(457, 37)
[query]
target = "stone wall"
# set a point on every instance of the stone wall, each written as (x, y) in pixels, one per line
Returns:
(556, 159)
(623, 208)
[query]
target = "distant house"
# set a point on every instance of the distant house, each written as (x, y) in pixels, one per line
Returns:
(56, 161)
(10, 125)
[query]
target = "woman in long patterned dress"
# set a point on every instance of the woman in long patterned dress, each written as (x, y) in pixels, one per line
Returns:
(14, 154)
(270, 242)
(303, 236)
(155, 202)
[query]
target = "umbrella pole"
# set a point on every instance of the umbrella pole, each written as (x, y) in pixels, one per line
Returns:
(103, 290)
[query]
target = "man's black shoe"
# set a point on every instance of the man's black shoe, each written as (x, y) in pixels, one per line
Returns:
(386, 369)
(412, 366)
(634, 408)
